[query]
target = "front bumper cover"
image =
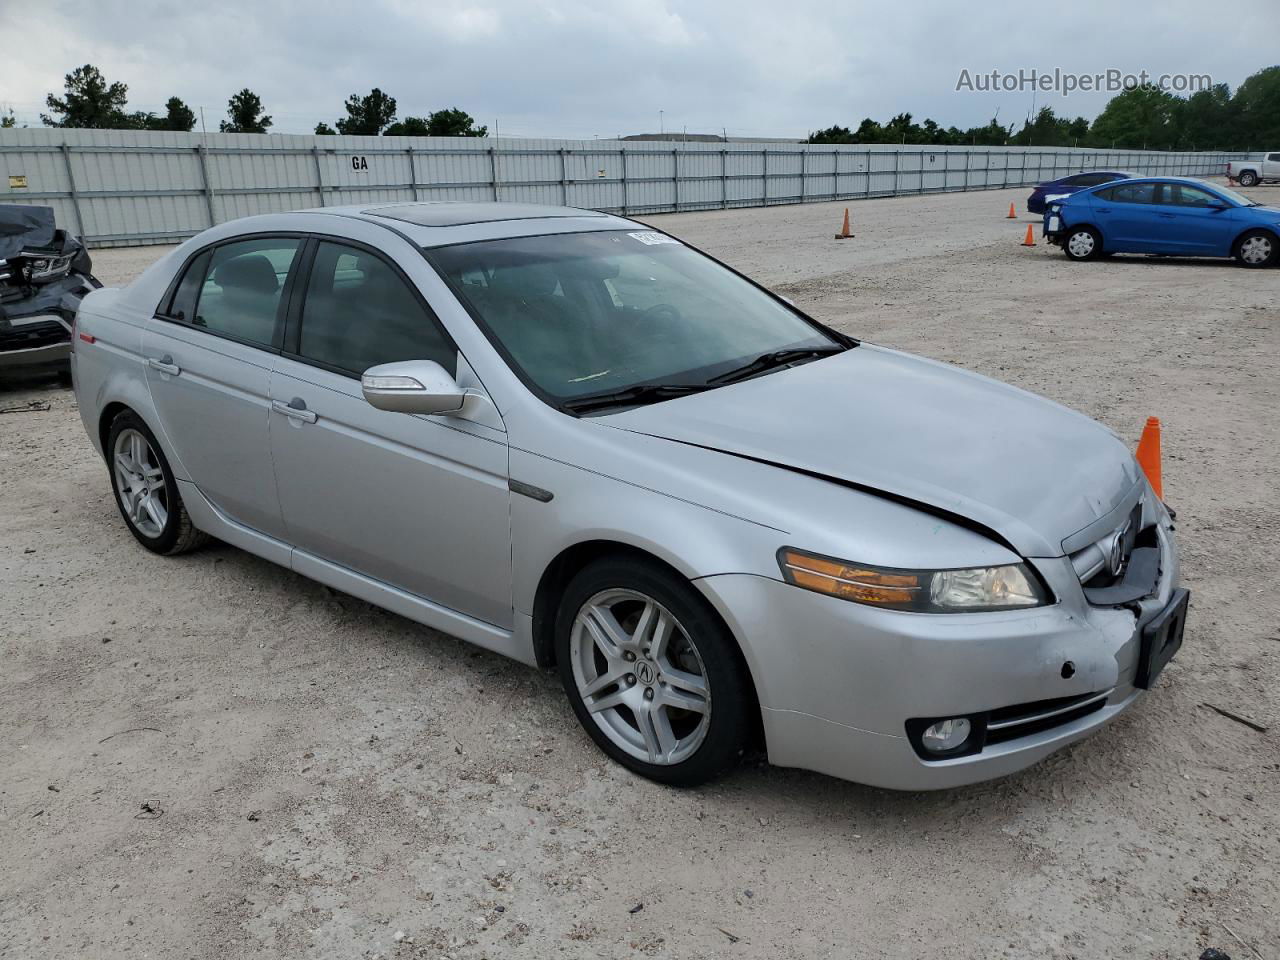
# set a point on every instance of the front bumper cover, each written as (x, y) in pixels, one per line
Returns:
(839, 681)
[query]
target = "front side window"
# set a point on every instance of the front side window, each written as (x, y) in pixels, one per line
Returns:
(359, 313)
(242, 293)
(1185, 196)
(584, 314)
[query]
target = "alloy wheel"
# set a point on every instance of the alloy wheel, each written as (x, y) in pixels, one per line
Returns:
(140, 483)
(640, 676)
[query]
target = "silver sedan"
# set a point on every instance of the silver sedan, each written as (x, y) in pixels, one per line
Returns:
(575, 440)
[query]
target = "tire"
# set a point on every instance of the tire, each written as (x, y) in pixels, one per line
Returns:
(145, 491)
(1248, 179)
(1257, 249)
(605, 630)
(1082, 243)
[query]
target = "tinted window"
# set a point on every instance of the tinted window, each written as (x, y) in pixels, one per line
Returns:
(1133, 193)
(1185, 196)
(359, 313)
(241, 296)
(1273, 158)
(182, 306)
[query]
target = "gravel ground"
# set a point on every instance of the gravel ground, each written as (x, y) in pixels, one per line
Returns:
(338, 782)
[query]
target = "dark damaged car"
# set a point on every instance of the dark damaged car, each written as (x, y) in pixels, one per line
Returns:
(44, 272)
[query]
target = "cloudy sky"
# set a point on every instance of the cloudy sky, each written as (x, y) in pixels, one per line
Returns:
(584, 68)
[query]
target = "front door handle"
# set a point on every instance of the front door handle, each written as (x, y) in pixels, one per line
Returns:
(295, 409)
(1104, 209)
(1168, 216)
(165, 365)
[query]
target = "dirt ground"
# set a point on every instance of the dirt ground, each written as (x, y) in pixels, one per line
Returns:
(338, 782)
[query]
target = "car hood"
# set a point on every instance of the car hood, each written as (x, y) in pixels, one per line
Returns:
(24, 226)
(1026, 469)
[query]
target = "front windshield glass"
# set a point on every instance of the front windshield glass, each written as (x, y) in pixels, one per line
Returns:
(593, 313)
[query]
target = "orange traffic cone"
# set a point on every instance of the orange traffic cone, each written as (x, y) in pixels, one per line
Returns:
(1013, 213)
(1148, 454)
(1030, 240)
(844, 233)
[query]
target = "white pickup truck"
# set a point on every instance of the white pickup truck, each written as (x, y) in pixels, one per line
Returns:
(1250, 173)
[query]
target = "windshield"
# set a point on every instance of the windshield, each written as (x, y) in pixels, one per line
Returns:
(1239, 198)
(582, 314)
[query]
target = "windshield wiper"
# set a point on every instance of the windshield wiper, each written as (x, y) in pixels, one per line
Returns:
(778, 358)
(639, 394)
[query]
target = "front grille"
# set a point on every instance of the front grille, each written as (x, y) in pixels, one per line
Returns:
(1093, 564)
(1010, 723)
(33, 336)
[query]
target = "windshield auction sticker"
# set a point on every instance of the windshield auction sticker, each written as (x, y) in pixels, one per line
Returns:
(651, 238)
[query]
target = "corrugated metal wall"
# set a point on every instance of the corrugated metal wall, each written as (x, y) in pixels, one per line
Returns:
(118, 187)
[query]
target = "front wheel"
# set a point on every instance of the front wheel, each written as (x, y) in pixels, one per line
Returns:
(1248, 179)
(1083, 243)
(145, 490)
(1257, 248)
(652, 673)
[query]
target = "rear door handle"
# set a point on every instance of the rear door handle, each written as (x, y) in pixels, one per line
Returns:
(1104, 209)
(295, 409)
(1168, 216)
(165, 365)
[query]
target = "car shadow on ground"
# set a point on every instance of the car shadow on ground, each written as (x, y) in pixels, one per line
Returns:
(753, 788)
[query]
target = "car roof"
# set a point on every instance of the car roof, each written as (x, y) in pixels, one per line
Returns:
(436, 223)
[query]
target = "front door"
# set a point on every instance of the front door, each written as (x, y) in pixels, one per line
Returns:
(209, 353)
(1195, 221)
(417, 502)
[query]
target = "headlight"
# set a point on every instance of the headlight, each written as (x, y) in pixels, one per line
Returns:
(1010, 587)
(46, 268)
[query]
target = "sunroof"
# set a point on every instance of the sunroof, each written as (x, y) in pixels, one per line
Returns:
(450, 213)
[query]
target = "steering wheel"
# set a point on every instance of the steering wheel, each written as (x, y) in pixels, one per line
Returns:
(661, 311)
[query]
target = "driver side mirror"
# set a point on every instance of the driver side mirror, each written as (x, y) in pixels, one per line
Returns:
(412, 386)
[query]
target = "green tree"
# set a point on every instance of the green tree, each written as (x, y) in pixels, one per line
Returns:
(1141, 118)
(832, 134)
(409, 127)
(244, 111)
(1257, 103)
(454, 123)
(368, 115)
(178, 116)
(88, 102)
(324, 130)
(8, 120)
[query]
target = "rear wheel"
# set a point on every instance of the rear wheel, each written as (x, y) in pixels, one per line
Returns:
(1257, 248)
(652, 673)
(145, 489)
(1082, 243)
(1248, 179)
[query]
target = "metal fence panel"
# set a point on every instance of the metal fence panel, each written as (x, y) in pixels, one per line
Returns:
(130, 187)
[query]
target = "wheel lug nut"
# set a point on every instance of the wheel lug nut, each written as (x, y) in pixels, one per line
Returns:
(648, 694)
(631, 679)
(629, 656)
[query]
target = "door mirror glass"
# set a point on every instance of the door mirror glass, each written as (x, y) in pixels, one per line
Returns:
(412, 386)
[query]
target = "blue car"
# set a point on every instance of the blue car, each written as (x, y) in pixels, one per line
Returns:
(1065, 186)
(1170, 216)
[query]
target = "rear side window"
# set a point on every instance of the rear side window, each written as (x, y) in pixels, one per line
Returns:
(360, 312)
(1274, 158)
(1132, 193)
(242, 293)
(182, 305)
(1088, 179)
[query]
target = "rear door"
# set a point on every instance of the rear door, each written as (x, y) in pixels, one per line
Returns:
(1127, 216)
(417, 502)
(209, 351)
(1194, 221)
